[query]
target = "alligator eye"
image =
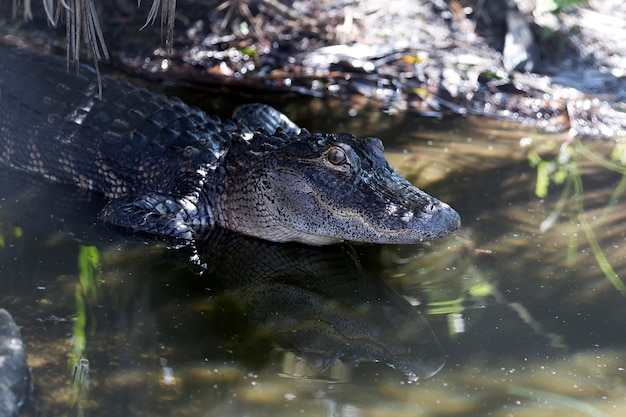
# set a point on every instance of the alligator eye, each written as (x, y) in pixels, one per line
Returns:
(336, 156)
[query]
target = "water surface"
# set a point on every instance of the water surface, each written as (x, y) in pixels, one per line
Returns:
(526, 321)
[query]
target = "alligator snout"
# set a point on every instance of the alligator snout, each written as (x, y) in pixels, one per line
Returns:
(443, 218)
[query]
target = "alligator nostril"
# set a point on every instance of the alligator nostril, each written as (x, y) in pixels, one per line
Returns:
(431, 207)
(443, 215)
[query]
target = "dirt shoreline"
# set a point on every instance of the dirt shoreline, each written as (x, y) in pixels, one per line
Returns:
(554, 70)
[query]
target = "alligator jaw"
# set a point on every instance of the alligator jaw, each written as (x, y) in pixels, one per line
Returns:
(426, 222)
(430, 219)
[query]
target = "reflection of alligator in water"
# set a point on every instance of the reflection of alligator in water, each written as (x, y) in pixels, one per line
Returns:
(13, 371)
(320, 303)
(173, 171)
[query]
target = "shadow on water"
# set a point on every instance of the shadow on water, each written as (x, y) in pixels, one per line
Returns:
(319, 302)
(277, 330)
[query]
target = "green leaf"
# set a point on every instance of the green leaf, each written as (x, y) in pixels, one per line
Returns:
(560, 176)
(543, 180)
(619, 153)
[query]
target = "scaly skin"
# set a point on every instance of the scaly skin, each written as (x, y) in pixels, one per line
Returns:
(170, 170)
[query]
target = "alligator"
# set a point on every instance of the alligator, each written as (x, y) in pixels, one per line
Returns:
(172, 171)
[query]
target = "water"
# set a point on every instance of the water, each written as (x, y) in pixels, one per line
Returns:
(528, 323)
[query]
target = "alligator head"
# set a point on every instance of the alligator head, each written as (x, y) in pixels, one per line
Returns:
(323, 188)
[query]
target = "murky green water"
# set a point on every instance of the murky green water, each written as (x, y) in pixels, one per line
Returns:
(529, 323)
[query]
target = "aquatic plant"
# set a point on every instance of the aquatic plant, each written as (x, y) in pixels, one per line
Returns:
(565, 170)
(86, 296)
(9, 232)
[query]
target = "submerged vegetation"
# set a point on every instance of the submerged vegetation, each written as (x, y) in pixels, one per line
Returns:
(564, 170)
(84, 324)
(86, 299)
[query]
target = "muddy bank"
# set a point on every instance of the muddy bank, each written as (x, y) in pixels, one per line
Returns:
(557, 70)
